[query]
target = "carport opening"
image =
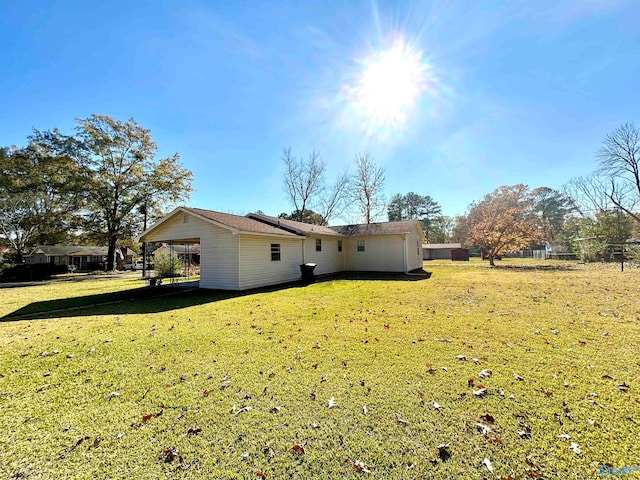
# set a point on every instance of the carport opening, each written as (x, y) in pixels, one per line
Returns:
(176, 262)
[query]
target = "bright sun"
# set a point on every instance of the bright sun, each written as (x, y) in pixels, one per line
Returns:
(390, 84)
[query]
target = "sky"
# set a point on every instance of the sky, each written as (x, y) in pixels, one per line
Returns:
(452, 98)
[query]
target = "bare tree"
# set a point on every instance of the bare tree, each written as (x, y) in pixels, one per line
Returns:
(619, 159)
(366, 187)
(588, 195)
(333, 200)
(306, 188)
(303, 181)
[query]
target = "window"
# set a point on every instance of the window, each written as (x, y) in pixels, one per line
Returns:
(339, 245)
(275, 252)
(318, 245)
(360, 245)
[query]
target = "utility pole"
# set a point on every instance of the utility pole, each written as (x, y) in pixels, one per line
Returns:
(143, 210)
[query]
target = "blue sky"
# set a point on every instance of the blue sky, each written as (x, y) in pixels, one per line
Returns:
(511, 92)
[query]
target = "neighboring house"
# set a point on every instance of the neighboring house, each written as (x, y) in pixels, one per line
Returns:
(439, 251)
(3, 251)
(83, 257)
(238, 253)
(189, 252)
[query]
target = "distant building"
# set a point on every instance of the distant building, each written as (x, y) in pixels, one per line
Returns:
(439, 251)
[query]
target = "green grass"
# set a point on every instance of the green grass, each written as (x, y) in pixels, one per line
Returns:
(77, 389)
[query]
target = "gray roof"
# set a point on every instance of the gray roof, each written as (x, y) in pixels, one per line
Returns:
(385, 228)
(299, 228)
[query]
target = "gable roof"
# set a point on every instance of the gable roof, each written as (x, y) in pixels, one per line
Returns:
(235, 223)
(384, 228)
(292, 226)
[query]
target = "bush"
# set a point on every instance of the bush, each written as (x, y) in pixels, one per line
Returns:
(165, 267)
(26, 273)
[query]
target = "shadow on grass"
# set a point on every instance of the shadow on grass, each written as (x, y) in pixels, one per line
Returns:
(169, 297)
(538, 268)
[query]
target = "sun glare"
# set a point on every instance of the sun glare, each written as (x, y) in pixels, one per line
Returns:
(389, 86)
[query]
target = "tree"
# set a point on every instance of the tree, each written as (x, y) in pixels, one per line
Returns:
(367, 183)
(397, 208)
(306, 188)
(414, 206)
(120, 173)
(552, 207)
(604, 234)
(308, 216)
(619, 159)
(430, 212)
(503, 221)
(39, 194)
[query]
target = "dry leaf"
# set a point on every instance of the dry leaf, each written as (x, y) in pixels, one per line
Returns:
(480, 392)
(436, 405)
(462, 358)
(364, 410)
(518, 377)
(483, 429)
(566, 436)
(488, 418)
(332, 402)
(361, 467)
(487, 463)
(443, 452)
(193, 431)
(297, 449)
(574, 446)
(486, 373)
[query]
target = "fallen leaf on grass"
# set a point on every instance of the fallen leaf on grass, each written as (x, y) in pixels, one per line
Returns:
(524, 434)
(298, 449)
(401, 420)
(365, 410)
(332, 402)
(80, 440)
(483, 429)
(168, 455)
(575, 448)
(487, 418)
(486, 373)
(361, 467)
(518, 377)
(480, 392)
(96, 442)
(487, 463)
(566, 436)
(436, 405)
(443, 452)
(193, 431)
(462, 358)
(623, 387)
(243, 410)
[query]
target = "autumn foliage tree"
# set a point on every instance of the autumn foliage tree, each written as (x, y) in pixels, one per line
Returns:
(503, 221)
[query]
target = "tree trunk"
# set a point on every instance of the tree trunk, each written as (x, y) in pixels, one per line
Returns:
(491, 257)
(111, 252)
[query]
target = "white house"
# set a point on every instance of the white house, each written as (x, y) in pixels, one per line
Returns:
(239, 253)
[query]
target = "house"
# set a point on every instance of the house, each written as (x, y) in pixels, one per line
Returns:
(439, 251)
(83, 257)
(187, 253)
(239, 253)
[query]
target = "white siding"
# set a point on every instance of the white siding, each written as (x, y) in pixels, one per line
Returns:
(414, 251)
(382, 254)
(256, 267)
(218, 248)
(328, 260)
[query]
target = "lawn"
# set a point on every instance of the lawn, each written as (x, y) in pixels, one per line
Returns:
(522, 372)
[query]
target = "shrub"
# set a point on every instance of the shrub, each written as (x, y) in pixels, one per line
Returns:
(166, 267)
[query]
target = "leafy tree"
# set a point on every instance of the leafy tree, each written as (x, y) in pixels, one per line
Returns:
(619, 159)
(38, 194)
(553, 207)
(441, 229)
(120, 173)
(396, 210)
(414, 206)
(503, 221)
(308, 216)
(604, 234)
(366, 187)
